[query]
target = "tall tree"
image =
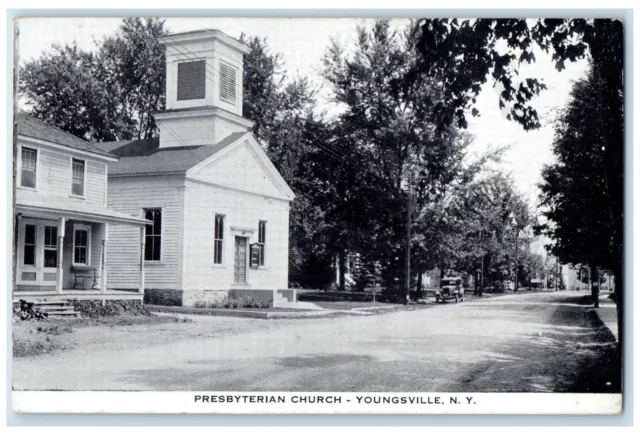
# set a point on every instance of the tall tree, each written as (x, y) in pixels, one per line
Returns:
(108, 95)
(388, 117)
(464, 54)
(574, 191)
(263, 83)
(132, 66)
(61, 88)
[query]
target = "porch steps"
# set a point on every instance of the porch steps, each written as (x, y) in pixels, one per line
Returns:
(55, 308)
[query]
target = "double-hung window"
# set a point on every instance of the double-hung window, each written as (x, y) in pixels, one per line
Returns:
(77, 177)
(218, 239)
(81, 244)
(29, 162)
(153, 234)
(262, 240)
(29, 250)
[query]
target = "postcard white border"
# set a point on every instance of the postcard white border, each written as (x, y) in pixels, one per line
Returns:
(308, 403)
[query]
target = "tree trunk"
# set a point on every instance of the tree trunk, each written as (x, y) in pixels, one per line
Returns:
(595, 287)
(419, 284)
(481, 289)
(475, 283)
(342, 266)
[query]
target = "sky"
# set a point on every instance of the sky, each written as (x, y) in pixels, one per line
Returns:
(302, 43)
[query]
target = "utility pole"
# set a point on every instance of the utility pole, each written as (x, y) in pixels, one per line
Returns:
(515, 287)
(407, 277)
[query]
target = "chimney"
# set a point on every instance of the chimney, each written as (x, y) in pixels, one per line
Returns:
(203, 89)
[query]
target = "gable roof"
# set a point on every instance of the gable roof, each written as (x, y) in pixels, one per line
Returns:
(258, 154)
(146, 156)
(35, 128)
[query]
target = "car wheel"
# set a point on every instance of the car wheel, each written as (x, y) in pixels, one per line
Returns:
(456, 299)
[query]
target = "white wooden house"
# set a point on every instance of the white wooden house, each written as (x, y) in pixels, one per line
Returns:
(62, 218)
(219, 207)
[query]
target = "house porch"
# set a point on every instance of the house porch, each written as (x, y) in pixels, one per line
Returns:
(60, 252)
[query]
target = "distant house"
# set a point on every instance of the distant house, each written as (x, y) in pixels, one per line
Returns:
(219, 208)
(62, 219)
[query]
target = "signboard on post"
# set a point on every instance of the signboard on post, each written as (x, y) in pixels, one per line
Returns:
(254, 253)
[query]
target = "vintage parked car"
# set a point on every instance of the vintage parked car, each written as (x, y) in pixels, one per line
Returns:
(450, 288)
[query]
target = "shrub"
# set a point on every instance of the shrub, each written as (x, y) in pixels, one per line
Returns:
(172, 298)
(109, 308)
(235, 302)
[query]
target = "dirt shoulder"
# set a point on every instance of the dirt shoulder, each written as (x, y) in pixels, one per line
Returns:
(33, 339)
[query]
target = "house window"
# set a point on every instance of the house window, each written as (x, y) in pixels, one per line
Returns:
(29, 159)
(81, 244)
(29, 251)
(227, 83)
(153, 234)
(192, 78)
(218, 239)
(50, 246)
(262, 239)
(77, 177)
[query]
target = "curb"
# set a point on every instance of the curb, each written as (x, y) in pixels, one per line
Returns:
(239, 313)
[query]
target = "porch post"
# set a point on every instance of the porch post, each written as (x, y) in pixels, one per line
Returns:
(59, 277)
(141, 288)
(103, 264)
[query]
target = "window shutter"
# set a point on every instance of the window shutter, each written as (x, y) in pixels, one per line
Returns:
(192, 77)
(227, 83)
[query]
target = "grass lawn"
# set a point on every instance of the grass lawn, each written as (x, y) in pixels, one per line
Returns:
(33, 338)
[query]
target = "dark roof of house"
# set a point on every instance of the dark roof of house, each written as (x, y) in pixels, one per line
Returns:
(146, 156)
(37, 129)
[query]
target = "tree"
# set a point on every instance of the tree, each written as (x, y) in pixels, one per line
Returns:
(387, 118)
(444, 216)
(132, 66)
(262, 85)
(574, 190)
(464, 54)
(62, 89)
(108, 95)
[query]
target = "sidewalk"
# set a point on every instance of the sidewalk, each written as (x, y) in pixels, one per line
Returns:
(274, 313)
(607, 313)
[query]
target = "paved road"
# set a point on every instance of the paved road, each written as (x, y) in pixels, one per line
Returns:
(533, 342)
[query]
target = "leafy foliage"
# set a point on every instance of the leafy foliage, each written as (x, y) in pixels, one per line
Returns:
(108, 95)
(574, 191)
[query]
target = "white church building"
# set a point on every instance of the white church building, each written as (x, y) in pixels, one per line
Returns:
(220, 209)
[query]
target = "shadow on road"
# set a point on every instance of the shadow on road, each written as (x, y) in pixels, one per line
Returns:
(572, 352)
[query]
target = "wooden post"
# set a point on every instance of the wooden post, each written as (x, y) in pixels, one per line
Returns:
(103, 263)
(141, 287)
(59, 272)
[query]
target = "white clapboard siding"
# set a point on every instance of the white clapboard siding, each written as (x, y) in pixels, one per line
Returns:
(130, 195)
(54, 178)
(241, 210)
(95, 185)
